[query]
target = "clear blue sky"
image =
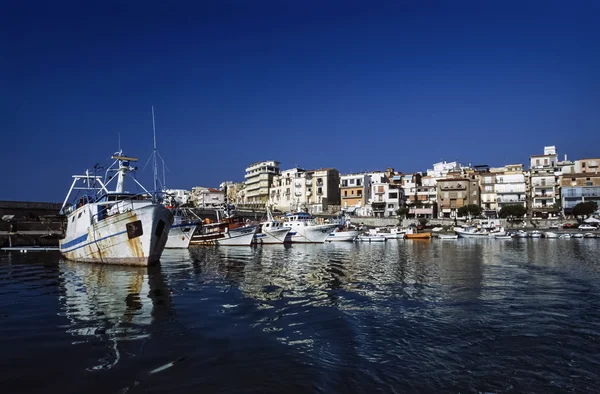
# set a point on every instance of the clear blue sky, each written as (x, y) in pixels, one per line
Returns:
(351, 85)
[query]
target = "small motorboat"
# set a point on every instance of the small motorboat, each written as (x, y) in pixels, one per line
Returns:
(565, 236)
(577, 235)
(550, 234)
(448, 236)
(503, 236)
(371, 238)
(590, 235)
(535, 234)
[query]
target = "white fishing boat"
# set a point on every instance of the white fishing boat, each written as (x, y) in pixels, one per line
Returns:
(271, 231)
(550, 234)
(304, 229)
(388, 232)
(371, 238)
(341, 235)
(181, 232)
(114, 227)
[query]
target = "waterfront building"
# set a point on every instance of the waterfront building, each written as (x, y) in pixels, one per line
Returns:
(288, 190)
(510, 186)
(322, 189)
(579, 187)
(487, 187)
(207, 197)
(259, 177)
(441, 169)
(387, 195)
(455, 192)
(180, 196)
(355, 191)
(543, 184)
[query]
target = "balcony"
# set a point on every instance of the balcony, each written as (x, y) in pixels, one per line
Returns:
(308, 193)
(549, 194)
(309, 181)
(319, 192)
(319, 183)
(298, 194)
(298, 184)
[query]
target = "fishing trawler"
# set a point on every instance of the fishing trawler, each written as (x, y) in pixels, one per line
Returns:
(271, 231)
(304, 229)
(114, 227)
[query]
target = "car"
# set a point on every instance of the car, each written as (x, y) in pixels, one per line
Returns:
(568, 225)
(587, 227)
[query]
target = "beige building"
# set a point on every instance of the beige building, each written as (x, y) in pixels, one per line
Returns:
(313, 191)
(456, 192)
(355, 190)
(259, 177)
(543, 184)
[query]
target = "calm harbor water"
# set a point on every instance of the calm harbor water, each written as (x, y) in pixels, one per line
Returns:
(404, 316)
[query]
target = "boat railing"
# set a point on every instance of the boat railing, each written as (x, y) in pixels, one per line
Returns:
(109, 208)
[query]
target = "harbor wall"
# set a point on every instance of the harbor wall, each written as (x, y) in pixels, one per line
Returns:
(26, 223)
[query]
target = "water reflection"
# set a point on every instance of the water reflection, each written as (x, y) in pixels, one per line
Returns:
(111, 304)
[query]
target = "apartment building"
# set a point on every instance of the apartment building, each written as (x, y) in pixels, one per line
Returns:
(387, 195)
(543, 183)
(177, 196)
(578, 188)
(322, 189)
(510, 186)
(355, 191)
(288, 190)
(207, 197)
(456, 192)
(259, 177)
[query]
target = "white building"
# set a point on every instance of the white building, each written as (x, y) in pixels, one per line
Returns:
(288, 190)
(207, 197)
(259, 177)
(543, 182)
(441, 169)
(386, 197)
(180, 196)
(510, 186)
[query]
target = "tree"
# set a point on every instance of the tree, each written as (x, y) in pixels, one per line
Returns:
(469, 210)
(403, 212)
(512, 211)
(584, 208)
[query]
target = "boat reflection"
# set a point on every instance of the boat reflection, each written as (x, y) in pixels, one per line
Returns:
(111, 304)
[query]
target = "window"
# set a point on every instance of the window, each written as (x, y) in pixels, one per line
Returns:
(352, 192)
(359, 193)
(537, 162)
(475, 193)
(352, 181)
(393, 195)
(545, 162)
(358, 183)
(344, 183)
(345, 193)
(583, 164)
(391, 206)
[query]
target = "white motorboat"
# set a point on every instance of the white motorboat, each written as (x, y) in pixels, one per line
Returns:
(304, 229)
(565, 236)
(550, 234)
(388, 232)
(371, 238)
(182, 230)
(577, 235)
(114, 227)
(520, 234)
(505, 236)
(590, 235)
(535, 234)
(271, 231)
(342, 235)
(471, 232)
(448, 236)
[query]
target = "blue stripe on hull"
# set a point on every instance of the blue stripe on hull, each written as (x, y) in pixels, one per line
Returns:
(89, 243)
(74, 242)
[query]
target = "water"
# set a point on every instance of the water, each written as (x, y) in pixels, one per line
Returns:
(404, 316)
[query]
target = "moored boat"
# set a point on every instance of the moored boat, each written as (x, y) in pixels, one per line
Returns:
(342, 236)
(550, 234)
(116, 227)
(371, 238)
(271, 231)
(182, 231)
(228, 232)
(304, 229)
(448, 236)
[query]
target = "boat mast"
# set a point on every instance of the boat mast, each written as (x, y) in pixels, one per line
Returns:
(155, 164)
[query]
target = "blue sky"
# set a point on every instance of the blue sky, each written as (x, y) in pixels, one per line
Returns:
(353, 85)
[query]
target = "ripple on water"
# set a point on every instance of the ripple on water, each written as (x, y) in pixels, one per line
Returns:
(466, 316)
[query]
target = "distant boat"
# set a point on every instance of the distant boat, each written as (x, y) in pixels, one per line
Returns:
(371, 238)
(550, 234)
(228, 232)
(342, 236)
(448, 236)
(412, 234)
